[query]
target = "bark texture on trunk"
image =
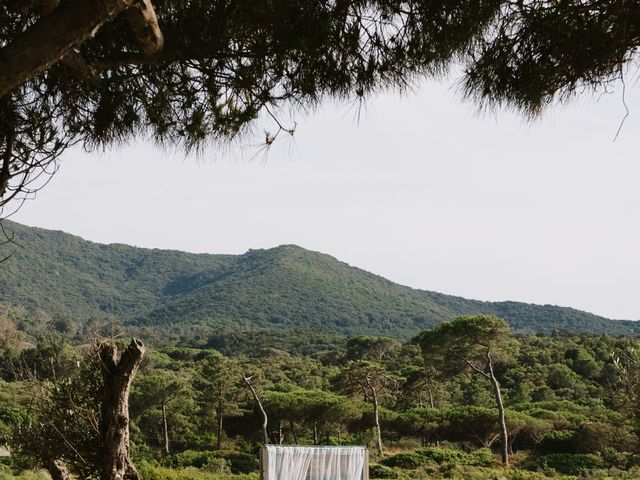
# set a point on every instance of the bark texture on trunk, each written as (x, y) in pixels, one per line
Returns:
(504, 438)
(58, 470)
(376, 416)
(144, 23)
(265, 419)
(62, 28)
(118, 372)
(165, 428)
(52, 37)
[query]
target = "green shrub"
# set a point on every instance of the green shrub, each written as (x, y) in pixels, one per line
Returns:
(238, 462)
(565, 463)
(558, 441)
(152, 472)
(217, 465)
(7, 474)
(408, 461)
(481, 457)
(614, 459)
(380, 471)
(441, 455)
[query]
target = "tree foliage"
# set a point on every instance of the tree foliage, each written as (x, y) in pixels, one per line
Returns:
(225, 63)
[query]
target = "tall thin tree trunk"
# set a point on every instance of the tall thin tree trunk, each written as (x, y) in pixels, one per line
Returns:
(265, 420)
(118, 372)
(504, 439)
(293, 432)
(165, 428)
(315, 432)
(219, 434)
(431, 402)
(376, 417)
(280, 433)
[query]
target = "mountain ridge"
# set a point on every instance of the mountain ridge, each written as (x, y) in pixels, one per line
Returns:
(284, 287)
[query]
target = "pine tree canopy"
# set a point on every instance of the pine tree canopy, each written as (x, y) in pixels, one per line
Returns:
(184, 72)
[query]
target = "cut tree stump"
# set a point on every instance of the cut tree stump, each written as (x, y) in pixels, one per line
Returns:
(118, 372)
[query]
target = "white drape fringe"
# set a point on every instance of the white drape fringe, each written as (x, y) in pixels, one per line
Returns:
(315, 463)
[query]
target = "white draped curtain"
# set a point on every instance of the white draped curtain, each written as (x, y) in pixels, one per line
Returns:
(314, 463)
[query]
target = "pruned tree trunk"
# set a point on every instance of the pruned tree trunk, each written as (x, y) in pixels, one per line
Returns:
(504, 438)
(256, 397)
(165, 428)
(118, 372)
(58, 470)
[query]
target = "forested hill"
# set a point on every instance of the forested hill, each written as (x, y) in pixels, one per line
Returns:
(280, 288)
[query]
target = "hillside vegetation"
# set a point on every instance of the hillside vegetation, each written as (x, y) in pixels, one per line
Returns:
(288, 287)
(571, 406)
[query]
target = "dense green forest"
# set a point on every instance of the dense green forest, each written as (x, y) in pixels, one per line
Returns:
(570, 403)
(170, 296)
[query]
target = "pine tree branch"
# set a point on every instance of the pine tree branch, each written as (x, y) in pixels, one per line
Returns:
(144, 23)
(52, 37)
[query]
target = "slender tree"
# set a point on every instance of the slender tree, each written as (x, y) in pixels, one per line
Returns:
(219, 388)
(159, 390)
(371, 380)
(253, 387)
(474, 343)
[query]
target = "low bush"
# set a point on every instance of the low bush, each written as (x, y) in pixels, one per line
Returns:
(407, 461)
(238, 462)
(437, 456)
(565, 463)
(558, 441)
(152, 472)
(380, 471)
(481, 457)
(7, 474)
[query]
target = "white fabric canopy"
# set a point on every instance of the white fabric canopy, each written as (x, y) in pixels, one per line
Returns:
(313, 463)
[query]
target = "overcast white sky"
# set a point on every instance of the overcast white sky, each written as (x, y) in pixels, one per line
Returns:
(422, 191)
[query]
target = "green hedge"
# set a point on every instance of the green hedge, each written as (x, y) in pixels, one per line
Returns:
(380, 471)
(153, 472)
(558, 441)
(481, 457)
(565, 463)
(407, 461)
(436, 456)
(238, 462)
(6, 474)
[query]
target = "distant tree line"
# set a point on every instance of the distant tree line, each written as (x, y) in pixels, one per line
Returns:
(469, 383)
